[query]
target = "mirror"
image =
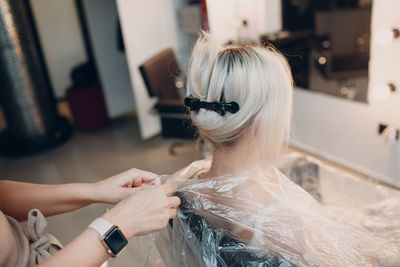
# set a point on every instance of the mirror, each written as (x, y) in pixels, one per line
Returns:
(327, 44)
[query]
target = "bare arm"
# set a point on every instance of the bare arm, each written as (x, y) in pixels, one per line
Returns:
(16, 198)
(141, 213)
(71, 255)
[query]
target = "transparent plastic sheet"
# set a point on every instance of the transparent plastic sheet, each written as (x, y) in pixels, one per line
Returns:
(262, 218)
(348, 198)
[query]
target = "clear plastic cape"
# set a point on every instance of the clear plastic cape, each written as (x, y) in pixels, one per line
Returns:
(262, 218)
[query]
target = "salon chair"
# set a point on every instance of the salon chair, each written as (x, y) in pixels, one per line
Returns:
(342, 43)
(161, 75)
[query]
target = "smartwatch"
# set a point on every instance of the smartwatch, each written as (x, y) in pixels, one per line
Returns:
(110, 236)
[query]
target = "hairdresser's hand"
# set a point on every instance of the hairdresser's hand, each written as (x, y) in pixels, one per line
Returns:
(145, 211)
(116, 188)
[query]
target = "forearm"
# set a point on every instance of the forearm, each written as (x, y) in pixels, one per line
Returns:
(141, 213)
(71, 255)
(16, 199)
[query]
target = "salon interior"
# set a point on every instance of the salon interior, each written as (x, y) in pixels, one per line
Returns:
(97, 87)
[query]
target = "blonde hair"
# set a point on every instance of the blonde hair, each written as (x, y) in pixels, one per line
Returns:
(257, 78)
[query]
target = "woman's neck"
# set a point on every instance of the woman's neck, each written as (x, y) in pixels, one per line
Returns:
(234, 158)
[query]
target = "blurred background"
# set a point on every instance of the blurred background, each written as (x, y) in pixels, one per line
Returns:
(90, 88)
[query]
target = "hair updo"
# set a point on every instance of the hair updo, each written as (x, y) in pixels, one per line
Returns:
(257, 78)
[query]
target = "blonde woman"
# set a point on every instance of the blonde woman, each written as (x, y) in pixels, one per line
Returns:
(237, 209)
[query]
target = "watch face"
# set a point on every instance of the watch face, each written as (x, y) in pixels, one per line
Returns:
(115, 240)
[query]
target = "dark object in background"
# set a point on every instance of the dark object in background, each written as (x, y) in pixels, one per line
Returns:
(306, 174)
(299, 15)
(343, 49)
(160, 75)
(295, 46)
(33, 123)
(337, 29)
(88, 107)
(84, 76)
(85, 96)
(120, 38)
(86, 99)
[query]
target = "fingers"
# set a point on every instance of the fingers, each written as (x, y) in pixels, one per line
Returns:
(174, 202)
(138, 181)
(135, 177)
(169, 188)
(146, 177)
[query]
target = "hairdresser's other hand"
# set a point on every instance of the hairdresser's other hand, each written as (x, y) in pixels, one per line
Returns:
(145, 211)
(114, 189)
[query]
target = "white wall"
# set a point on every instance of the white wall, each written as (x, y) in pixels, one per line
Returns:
(111, 63)
(225, 16)
(270, 16)
(346, 132)
(148, 28)
(61, 40)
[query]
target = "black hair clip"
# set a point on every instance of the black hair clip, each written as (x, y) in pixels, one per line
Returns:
(196, 104)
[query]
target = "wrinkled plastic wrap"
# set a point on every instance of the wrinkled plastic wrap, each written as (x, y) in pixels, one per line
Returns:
(262, 218)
